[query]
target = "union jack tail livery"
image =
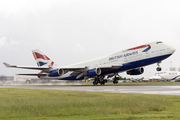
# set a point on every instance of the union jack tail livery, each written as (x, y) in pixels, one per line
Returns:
(42, 59)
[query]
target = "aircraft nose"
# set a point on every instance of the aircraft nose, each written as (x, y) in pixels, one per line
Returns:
(172, 50)
(163, 76)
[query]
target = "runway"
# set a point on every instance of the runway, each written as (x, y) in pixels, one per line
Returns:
(141, 89)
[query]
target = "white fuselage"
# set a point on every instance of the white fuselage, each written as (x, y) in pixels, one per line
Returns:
(170, 75)
(129, 58)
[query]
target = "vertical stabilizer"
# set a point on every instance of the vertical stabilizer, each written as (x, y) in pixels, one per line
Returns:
(42, 59)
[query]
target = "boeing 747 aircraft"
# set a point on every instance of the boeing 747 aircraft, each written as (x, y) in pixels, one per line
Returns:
(131, 60)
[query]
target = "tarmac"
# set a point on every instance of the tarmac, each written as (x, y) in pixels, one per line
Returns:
(141, 89)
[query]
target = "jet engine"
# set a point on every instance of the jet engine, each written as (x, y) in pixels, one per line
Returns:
(136, 71)
(56, 72)
(93, 72)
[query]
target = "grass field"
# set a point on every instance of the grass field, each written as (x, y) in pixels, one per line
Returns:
(38, 104)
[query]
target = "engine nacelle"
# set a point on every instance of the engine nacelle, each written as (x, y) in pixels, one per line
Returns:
(93, 72)
(136, 71)
(39, 73)
(56, 72)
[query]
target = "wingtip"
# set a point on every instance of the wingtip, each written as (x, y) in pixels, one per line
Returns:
(6, 64)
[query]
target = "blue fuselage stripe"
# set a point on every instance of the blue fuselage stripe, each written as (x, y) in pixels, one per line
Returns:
(175, 77)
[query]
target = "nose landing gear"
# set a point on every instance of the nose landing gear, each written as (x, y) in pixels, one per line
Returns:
(158, 68)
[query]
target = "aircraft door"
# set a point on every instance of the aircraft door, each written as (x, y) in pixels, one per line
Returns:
(125, 59)
(147, 54)
(100, 63)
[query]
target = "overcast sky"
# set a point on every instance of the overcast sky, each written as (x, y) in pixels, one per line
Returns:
(70, 31)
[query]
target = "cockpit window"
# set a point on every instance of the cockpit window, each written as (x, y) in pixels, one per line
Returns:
(158, 42)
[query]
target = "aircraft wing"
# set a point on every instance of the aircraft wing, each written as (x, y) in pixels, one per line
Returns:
(70, 68)
(79, 68)
(76, 70)
(79, 73)
(27, 67)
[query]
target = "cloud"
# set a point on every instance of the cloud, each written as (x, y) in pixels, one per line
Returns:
(9, 44)
(3, 42)
(80, 47)
(19, 8)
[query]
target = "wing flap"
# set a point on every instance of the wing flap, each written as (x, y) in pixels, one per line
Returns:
(112, 66)
(73, 68)
(34, 74)
(79, 69)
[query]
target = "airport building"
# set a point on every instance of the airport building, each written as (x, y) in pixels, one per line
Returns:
(24, 78)
(6, 79)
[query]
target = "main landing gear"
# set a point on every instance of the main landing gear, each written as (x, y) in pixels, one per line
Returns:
(158, 68)
(99, 79)
(116, 78)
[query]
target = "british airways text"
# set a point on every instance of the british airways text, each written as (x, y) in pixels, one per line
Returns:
(125, 55)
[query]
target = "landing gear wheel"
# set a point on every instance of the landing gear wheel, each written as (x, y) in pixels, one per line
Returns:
(99, 79)
(102, 83)
(95, 82)
(115, 81)
(158, 69)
